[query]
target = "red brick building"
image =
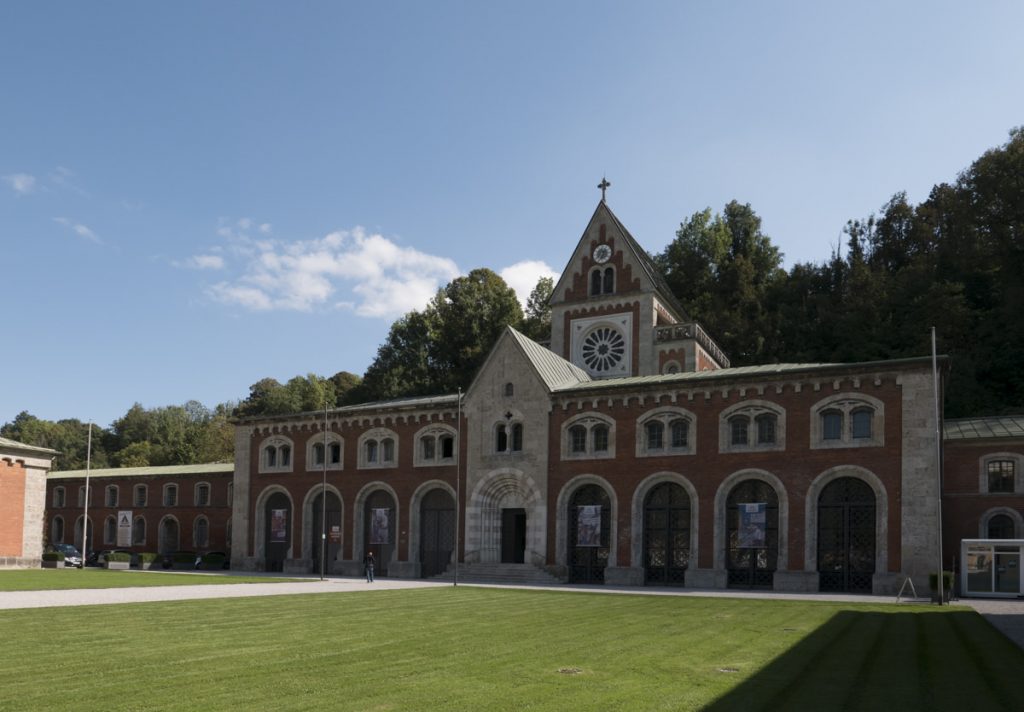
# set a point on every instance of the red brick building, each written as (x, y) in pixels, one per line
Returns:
(23, 471)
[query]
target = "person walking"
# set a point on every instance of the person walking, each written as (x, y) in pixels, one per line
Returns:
(368, 564)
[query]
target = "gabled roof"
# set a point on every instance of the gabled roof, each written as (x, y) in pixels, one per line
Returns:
(167, 470)
(8, 444)
(554, 370)
(1001, 426)
(640, 255)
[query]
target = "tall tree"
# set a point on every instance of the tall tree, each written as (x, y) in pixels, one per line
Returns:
(537, 319)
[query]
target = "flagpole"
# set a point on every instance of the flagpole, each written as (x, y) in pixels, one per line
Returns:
(938, 461)
(323, 511)
(458, 485)
(85, 514)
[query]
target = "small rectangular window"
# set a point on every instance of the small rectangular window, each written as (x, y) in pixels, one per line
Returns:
(202, 496)
(335, 449)
(861, 423)
(140, 496)
(447, 448)
(111, 496)
(427, 443)
(1001, 475)
(738, 428)
(832, 426)
(578, 435)
(600, 438)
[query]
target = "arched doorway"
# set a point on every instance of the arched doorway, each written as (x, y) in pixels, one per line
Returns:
(324, 556)
(1000, 527)
(589, 534)
(752, 541)
(169, 536)
(278, 532)
(437, 532)
(846, 536)
(379, 529)
(666, 535)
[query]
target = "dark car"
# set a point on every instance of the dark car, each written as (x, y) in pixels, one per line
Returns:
(72, 556)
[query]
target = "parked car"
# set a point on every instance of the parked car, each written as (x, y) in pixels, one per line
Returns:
(72, 556)
(214, 560)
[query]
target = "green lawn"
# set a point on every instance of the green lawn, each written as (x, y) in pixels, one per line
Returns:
(57, 579)
(489, 649)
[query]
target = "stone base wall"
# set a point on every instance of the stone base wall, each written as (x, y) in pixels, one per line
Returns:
(624, 576)
(404, 569)
(20, 562)
(888, 584)
(796, 581)
(706, 578)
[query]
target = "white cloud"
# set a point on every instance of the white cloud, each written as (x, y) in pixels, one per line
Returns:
(205, 262)
(21, 183)
(79, 229)
(366, 273)
(523, 276)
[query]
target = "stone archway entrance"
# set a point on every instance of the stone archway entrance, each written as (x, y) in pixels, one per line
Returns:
(323, 556)
(278, 531)
(752, 535)
(437, 532)
(666, 535)
(846, 536)
(379, 529)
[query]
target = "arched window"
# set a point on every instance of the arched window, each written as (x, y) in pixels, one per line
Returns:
(517, 437)
(58, 496)
(680, 433)
(81, 496)
(501, 438)
(447, 447)
(427, 444)
(600, 438)
(861, 420)
(766, 428)
(1001, 476)
(170, 495)
(595, 282)
(201, 536)
(57, 530)
(509, 390)
(141, 495)
(435, 446)
(318, 453)
(111, 496)
(276, 454)
(578, 439)
(334, 453)
(316, 450)
(738, 427)
(110, 531)
(847, 420)
(1001, 527)
(508, 437)
(202, 495)
(379, 448)
(832, 425)
(609, 280)
(655, 435)
(139, 531)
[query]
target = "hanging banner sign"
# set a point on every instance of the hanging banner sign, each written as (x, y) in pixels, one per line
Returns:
(278, 526)
(753, 530)
(379, 526)
(335, 534)
(124, 527)
(588, 525)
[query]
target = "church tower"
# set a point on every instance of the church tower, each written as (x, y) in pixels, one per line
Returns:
(613, 315)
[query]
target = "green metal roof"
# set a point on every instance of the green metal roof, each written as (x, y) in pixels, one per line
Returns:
(1001, 426)
(555, 371)
(168, 470)
(8, 444)
(412, 403)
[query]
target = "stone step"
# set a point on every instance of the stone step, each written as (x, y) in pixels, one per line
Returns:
(523, 574)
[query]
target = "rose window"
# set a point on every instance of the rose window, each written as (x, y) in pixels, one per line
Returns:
(603, 349)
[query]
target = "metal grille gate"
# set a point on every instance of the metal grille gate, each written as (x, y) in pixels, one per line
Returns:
(587, 563)
(666, 535)
(846, 536)
(752, 567)
(437, 532)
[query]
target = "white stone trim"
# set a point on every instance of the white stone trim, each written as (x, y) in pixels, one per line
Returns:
(722, 496)
(358, 535)
(752, 409)
(177, 495)
(436, 431)
(318, 439)
(1018, 471)
(276, 441)
(666, 414)
(881, 514)
(562, 517)
(379, 435)
(499, 489)
(209, 494)
(637, 515)
(588, 420)
(986, 518)
(260, 524)
(581, 328)
(846, 403)
(144, 488)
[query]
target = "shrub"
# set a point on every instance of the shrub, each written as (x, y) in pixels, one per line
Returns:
(119, 556)
(148, 557)
(53, 556)
(183, 557)
(213, 561)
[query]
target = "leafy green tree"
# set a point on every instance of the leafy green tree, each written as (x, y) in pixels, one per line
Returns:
(537, 320)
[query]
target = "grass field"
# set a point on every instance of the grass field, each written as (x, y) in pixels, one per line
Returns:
(60, 579)
(483, 649)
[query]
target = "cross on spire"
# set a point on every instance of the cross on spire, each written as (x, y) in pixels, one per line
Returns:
(603, 185)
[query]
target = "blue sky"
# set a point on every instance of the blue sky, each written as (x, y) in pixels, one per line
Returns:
(194, 196)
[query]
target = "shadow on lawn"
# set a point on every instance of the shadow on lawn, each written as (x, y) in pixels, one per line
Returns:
(904, 660)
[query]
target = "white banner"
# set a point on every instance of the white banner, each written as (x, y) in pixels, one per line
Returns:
(124, 527)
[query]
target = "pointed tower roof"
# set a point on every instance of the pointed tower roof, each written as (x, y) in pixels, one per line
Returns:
(602, 213)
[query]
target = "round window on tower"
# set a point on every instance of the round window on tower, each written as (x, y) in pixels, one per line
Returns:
(603, 349)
